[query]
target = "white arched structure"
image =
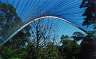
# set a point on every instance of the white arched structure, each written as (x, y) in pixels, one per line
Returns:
(33, 20)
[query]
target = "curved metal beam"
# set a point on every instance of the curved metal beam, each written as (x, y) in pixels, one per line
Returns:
(32, 21)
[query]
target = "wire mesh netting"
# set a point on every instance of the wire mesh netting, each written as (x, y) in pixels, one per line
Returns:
(65, 9)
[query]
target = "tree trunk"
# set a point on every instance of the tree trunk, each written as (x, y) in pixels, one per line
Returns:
(31, 54)
(88, 48)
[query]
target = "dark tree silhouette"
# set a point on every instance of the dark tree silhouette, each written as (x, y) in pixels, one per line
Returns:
(90, 11)
(41, 34)
(88, 49)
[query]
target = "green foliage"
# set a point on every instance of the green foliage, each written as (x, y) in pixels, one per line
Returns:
(9, 53)
(8, 20)
(77, 36)
(90, 16)
(52, 51)
(88, 43)
(12, 22)
(9, 8)
(70, 48)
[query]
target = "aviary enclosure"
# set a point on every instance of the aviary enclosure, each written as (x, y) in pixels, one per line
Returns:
(47, 29)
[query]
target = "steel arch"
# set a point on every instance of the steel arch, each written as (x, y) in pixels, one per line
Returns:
(36, 19)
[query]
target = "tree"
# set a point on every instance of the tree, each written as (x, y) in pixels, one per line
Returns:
(77, 36)
(88, 48)
(52, 51)
(8, 20)
(41, 34)
(69, 48)
(88, 43)
(90, 16)
(18, 41)
(31, 52)
(11, 21)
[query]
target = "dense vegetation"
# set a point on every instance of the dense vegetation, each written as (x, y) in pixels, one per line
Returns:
(68, 50)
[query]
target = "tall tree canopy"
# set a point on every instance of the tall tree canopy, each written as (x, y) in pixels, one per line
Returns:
(9, 20)
(90, 11)
(89, 42)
